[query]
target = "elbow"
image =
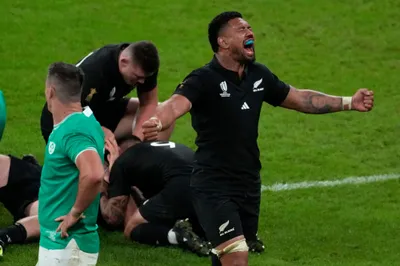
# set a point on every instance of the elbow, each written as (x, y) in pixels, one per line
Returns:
(96, 178)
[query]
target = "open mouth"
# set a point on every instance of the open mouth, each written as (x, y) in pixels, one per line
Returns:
(249, 46)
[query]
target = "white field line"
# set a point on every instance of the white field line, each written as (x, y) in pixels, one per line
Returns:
(329, 183)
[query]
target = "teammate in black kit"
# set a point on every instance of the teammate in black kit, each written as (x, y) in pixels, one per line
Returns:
(111, 73)
(19, 189)
(161, 171)
(225, 98)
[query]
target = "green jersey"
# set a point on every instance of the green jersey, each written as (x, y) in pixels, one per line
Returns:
(77, 133)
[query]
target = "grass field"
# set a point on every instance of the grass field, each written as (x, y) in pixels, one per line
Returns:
(333, 46)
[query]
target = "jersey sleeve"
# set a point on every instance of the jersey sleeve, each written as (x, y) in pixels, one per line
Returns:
(75, 144)
(191, 88)
(275, 89)
(149, 84)
(90, 85)
(92, 73)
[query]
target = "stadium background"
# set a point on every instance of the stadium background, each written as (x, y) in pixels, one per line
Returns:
(334, 46)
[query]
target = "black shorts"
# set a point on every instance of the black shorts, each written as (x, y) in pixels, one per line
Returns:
(108, 114)
(171, 204)
(224, 216)
(22, 188)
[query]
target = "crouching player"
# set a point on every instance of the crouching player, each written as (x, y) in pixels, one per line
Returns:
(161, 171)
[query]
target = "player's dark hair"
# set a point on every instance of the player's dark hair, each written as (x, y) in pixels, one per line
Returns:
(128, 141)
(145, 54)
(217, 24)
(67, 80)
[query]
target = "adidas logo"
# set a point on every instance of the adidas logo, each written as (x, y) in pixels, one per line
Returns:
(245, 106)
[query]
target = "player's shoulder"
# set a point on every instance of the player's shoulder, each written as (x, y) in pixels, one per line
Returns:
(201, 71)
(102, 56)
(82, 123)
(112, 48)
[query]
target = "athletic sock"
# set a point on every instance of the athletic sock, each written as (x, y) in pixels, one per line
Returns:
(172, 237)
(14, 234)
(151, 234)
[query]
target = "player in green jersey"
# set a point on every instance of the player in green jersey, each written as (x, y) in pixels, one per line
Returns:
(71, 176)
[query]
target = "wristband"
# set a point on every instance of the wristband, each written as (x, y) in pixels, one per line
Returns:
(346, 103)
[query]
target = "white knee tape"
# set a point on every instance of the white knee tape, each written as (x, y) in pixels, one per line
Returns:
(237, 246)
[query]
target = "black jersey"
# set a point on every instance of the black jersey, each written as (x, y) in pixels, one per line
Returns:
(103, 81)
(103, 89)
(149, 166)
(225, 114)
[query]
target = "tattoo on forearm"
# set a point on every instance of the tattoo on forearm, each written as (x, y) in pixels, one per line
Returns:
(114, 211)
(319, 103)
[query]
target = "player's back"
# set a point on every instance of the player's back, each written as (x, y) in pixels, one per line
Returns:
(149, 165)
(103, 80)
(60, 175)
(162, 158)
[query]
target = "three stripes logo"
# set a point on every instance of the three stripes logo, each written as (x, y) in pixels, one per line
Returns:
(245, 106)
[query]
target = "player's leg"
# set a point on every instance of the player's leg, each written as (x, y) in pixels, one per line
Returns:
(219, 217)
(150, 230)
(249, 213)
(155, 223)
(19, 196)
(70, 255)
(46, 123)
(31, 221)
(128, 117)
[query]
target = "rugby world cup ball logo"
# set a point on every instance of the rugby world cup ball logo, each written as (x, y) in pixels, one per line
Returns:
(224, 88)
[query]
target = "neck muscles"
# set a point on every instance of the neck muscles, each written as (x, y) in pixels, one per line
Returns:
(61, 111)
(229, 63)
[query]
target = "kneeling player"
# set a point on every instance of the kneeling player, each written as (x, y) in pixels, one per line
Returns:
(161, 171)
(19, 188)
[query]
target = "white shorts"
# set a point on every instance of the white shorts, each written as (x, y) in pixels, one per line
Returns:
(70, 256)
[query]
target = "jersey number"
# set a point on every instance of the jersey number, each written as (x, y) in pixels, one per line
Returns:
(163, 144)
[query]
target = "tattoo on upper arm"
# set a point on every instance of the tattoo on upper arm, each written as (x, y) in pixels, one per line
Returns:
(319, 103)
(114, 211)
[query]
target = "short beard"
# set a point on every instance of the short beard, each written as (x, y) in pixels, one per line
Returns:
(244, 60)
(241, 58)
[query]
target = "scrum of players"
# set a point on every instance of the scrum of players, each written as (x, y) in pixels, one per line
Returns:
(146, 191)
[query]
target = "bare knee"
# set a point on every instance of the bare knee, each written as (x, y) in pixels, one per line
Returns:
(32, 209)
(132, 106)
(235, 259)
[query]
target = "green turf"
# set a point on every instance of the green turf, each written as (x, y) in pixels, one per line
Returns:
(334, 46)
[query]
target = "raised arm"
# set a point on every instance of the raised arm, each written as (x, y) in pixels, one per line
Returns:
(186, 94)
(314, 102)
(278, 93)
(172, 109)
